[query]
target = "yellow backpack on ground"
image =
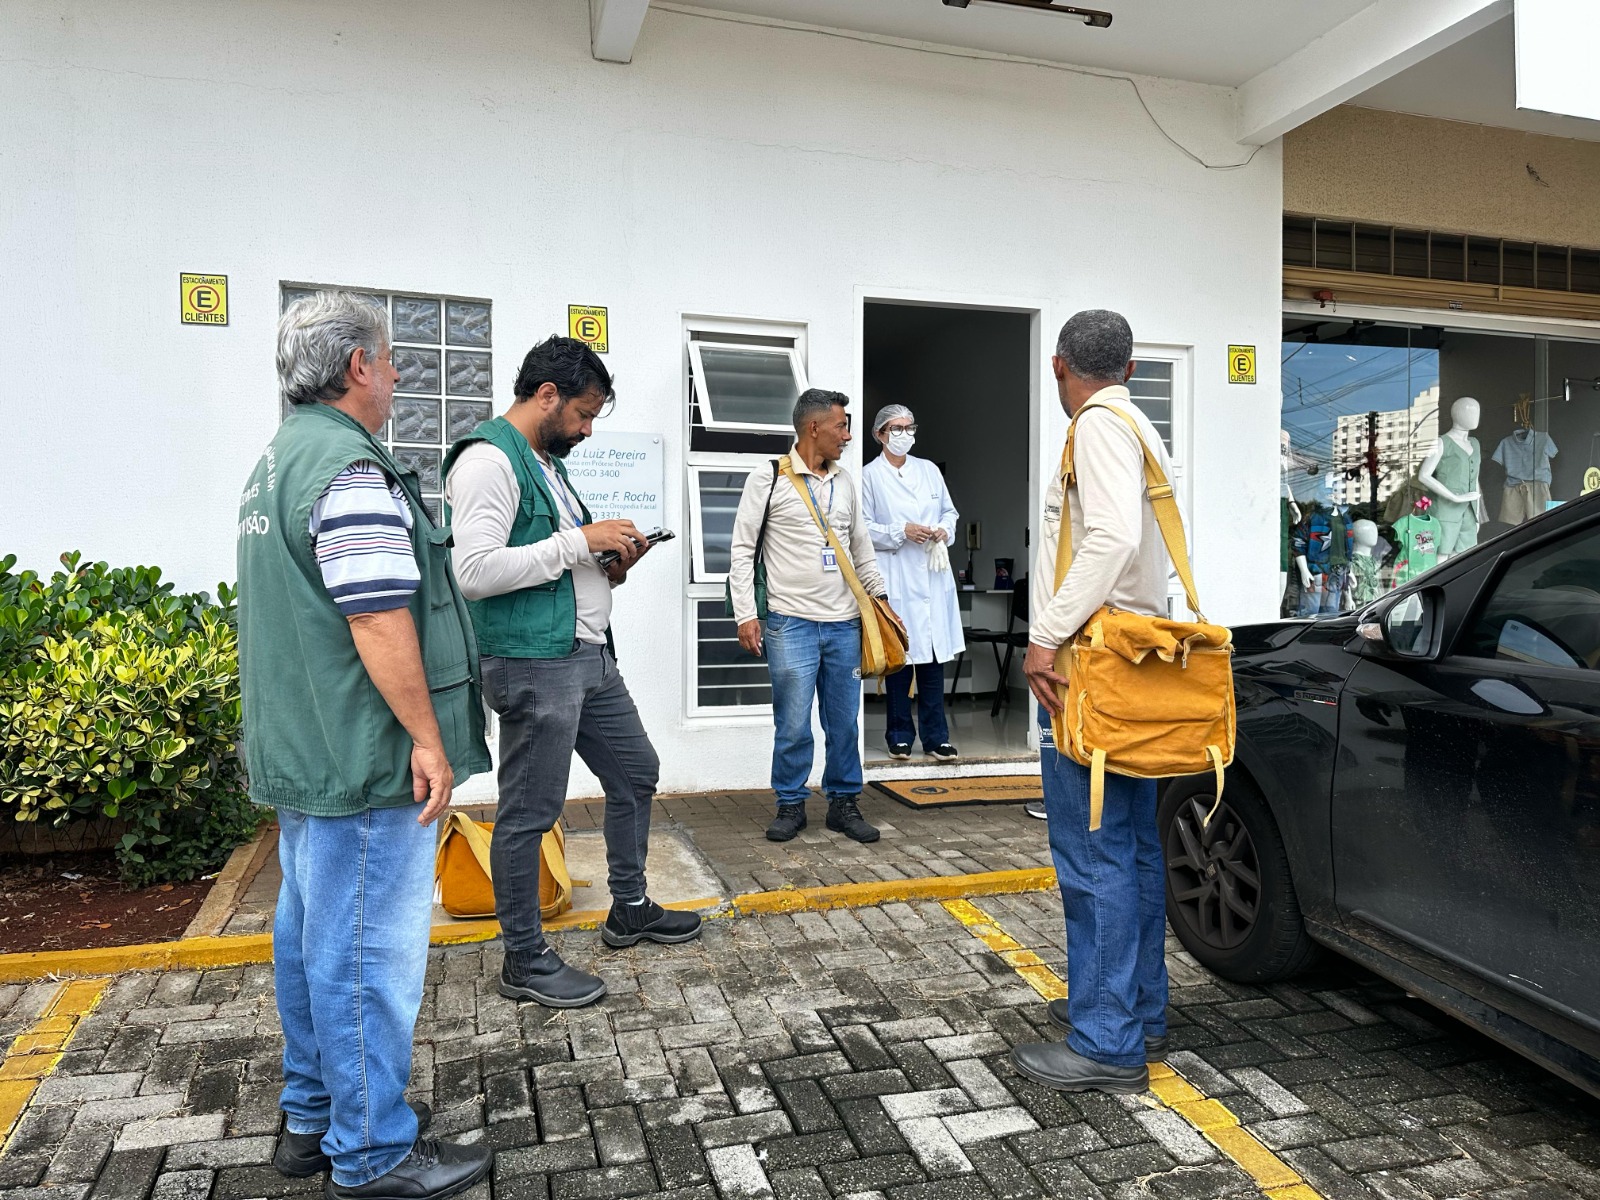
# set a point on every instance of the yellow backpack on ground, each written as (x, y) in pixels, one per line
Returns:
(461, 868)
(1147, 696)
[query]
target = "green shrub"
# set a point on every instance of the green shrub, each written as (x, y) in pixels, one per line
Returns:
(120, 698)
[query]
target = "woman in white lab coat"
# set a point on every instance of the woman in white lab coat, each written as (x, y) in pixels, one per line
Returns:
(912, 520)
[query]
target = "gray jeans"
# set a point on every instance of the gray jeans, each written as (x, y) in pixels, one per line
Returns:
(548, 708)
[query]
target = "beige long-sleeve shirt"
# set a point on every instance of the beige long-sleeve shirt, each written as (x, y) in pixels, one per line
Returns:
(1118, 556)
(483, 495)
(797, 583)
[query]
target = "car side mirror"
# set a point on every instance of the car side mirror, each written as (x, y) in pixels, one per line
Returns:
(1405, 627)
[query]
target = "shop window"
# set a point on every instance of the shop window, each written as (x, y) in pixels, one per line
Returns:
(741, 381)
(442, 352)
(1545, 609)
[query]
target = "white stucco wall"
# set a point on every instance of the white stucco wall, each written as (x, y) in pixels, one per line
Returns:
(477, 149)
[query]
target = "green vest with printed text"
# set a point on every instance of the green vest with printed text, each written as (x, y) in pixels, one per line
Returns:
(318, 736)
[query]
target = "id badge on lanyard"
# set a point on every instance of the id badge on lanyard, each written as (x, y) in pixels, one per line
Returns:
(830, 559)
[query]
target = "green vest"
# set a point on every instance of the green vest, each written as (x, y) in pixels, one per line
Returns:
(540, 621)
(318, 736)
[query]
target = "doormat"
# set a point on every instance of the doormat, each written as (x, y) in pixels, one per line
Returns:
(978, 789)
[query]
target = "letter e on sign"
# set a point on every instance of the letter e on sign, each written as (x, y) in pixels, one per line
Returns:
(589, 324)
(1241, 364)
(203, 299)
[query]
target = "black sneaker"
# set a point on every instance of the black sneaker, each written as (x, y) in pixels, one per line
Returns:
(944, 752)
(627, 924)
(1155, 1048)
(844, 816)
(547, 980)
(1035, 808)
(299, 1155)
(431, 1171)
(899, 749)
(1059, 1066)
(791, 820)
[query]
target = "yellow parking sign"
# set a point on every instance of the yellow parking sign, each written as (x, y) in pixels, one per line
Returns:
(1241, 364)
(203, 299)
(588, 324)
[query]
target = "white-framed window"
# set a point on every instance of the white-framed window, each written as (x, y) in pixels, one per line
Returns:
(1160, 388)
(741, 379)
(442, 351)
(744, 388)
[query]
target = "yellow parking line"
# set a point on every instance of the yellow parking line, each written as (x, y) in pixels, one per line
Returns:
(1212, 1119)
(34, 1053)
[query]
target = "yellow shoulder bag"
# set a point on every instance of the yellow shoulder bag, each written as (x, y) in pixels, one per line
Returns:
(1146, 696)
(884, 640)
(461, 868)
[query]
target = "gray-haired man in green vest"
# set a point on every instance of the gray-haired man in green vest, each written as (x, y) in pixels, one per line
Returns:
(361, 711)
(526, 551)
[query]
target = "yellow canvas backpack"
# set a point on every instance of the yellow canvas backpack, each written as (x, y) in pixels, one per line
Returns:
(461, 868)
(1147, 696)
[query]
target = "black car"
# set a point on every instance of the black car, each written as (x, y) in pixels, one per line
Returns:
(1417, 787)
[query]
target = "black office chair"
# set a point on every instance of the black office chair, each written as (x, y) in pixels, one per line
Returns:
(1012, 638)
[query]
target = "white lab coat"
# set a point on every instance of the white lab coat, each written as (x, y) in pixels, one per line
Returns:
(925, 600)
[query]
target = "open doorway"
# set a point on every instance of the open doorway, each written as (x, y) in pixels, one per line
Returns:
(966, 374)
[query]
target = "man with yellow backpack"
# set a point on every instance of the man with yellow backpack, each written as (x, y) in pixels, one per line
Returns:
(1126, 696)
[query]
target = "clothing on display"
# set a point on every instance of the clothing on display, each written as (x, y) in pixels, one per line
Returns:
(1526, 456)
(1365, 581)
(1523, 501)
(1458, 471)
(1404, 500)
(1324, 541)
(1419, 545)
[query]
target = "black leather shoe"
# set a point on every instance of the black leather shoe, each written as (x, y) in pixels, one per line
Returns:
(844, 816)
(791, 820)
(1155, 1048)
(1035, 808)
(548, 980)
(1059, 1066)
(944, 752)
(431, 1171)
(299, 1155)
(627, 924)
(899, 749)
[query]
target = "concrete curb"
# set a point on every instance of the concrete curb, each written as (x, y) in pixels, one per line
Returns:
(203, 952)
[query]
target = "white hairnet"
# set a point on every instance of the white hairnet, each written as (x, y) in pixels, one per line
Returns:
(890, 412)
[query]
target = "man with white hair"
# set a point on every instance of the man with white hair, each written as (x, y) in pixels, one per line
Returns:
(361, 708)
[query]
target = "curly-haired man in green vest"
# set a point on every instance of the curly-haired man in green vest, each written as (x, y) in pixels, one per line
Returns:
(526, 550)
(361, 711)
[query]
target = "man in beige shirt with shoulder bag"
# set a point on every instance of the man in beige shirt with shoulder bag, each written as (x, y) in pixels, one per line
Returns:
(1112, 889)
(812, 640)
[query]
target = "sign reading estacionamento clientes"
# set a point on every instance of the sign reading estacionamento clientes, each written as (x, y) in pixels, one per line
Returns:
(620, 477)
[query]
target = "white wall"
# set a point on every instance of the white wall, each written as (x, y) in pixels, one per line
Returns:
(477, 149)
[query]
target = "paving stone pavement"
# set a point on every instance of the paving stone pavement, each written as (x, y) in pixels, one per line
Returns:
(729, 830)
(851, 1053)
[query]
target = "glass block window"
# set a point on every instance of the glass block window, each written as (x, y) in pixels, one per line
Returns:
(446, 385)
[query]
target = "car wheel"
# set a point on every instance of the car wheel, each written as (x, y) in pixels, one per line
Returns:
(1230, 898)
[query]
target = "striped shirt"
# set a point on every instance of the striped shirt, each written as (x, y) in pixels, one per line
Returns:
(360, 531)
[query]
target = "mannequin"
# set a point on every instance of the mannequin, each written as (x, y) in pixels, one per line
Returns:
(1450, 473)
(1363, 564)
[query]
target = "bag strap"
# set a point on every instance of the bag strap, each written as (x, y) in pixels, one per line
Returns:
(761, 534)
(1157, 489)
(869, 621)
(459, 824)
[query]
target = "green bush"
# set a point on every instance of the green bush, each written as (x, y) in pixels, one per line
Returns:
(120, 698)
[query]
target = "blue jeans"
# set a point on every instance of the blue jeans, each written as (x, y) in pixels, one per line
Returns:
(820, 659)
(930, 705)
(1115, 903)
(350, 947)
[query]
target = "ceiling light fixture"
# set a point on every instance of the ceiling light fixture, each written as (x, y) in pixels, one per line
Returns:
(1093, 17)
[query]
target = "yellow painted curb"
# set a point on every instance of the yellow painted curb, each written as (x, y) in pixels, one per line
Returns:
(202, 952)
(1169, 1089)
(36, 1051)
(889, 891)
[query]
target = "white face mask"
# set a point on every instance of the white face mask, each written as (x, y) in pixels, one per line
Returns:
(901, 443)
